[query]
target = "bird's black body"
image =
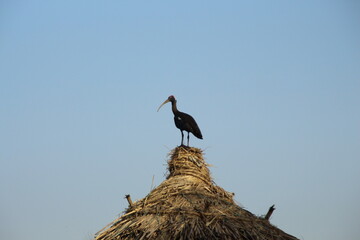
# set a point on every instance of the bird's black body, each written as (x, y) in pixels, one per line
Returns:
(184, 121)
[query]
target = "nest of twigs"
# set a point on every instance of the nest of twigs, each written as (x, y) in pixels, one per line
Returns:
(188, 205)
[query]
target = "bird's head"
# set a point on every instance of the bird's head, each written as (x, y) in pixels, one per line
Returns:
(171, 98)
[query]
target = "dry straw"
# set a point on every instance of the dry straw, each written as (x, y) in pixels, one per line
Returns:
(189, 206)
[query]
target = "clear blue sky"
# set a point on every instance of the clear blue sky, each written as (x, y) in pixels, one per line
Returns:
(273, 85)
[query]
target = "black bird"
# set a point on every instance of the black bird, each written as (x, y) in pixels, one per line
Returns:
(183, 121)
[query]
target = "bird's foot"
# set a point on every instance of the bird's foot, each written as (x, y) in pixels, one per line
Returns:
(184, 146)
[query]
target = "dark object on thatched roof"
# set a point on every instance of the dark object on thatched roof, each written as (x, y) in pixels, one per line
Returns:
(183, 121)
(188, 205)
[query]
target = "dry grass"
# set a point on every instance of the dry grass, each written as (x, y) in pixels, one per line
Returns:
(188, 205)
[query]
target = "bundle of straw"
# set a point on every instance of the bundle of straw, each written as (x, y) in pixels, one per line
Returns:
(188, 205)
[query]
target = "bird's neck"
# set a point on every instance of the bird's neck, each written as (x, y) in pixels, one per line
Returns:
(173, 107)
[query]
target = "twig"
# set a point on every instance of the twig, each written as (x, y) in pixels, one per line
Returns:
(152, 183)
(128, 198)
(271, 209)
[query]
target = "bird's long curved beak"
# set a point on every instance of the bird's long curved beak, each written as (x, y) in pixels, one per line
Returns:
(166, 101)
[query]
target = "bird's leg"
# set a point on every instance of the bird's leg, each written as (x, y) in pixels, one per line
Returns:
(188, 139)
(182, 137)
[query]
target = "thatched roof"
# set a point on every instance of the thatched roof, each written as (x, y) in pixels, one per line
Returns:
(188, 205)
